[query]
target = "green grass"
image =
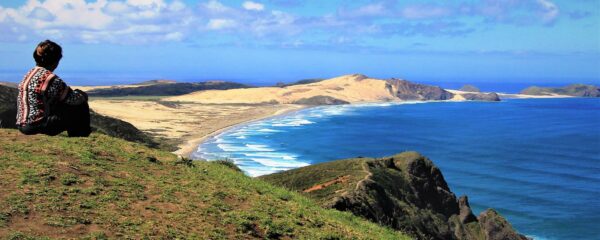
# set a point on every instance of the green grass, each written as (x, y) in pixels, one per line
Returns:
(304, 178)
(102, 187)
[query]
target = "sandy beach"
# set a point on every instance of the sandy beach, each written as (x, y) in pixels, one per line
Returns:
(187, 124)
(187, 120)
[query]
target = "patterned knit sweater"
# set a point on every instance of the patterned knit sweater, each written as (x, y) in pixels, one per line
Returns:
(37, 83)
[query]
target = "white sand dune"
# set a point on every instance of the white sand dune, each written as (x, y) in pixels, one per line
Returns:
(350, 88)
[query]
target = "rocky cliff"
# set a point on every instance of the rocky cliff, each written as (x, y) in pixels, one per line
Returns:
(8, 106)
(492, 97)
(405, 90)
(406, 192)
(576, 90)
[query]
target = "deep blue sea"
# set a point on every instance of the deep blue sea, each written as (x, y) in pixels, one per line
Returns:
(537, 161)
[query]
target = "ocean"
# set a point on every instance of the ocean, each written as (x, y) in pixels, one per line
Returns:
(536, 161)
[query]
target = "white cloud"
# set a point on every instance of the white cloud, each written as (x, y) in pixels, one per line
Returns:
(141, 21)
(218, 24)
(274, 22)
(98, 21)
(376, 9)
(253, 6)
(174, 36)
(423, 12)
(146, 3)
(550, 10)
(216, 6)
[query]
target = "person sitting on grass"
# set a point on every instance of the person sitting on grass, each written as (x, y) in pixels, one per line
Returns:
(45, 103)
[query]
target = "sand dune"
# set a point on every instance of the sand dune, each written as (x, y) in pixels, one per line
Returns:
(185, 123)
(349, 88)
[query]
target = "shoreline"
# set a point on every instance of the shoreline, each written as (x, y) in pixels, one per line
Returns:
(192, 143)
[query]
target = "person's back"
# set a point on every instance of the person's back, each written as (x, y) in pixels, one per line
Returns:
(45, 103)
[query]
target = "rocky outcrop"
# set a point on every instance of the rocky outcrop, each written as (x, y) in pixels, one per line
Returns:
(320, 100)
(8, 106)
(495, 226)
(465, 215)
(405, 90)
(405, 192)
(469, 88)
(492, 97)
(576, 90)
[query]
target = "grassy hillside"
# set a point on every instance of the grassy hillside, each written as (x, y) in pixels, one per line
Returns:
(103, 187)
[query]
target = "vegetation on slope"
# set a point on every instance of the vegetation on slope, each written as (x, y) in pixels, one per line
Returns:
(299, 82)
(164, 89)
(103, 187)
(469, 88)
(405, 191)
(124, 130)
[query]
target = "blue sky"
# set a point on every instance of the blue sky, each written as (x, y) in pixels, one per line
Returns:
(104, 41)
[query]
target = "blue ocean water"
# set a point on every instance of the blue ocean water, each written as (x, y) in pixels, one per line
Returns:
(536, 161)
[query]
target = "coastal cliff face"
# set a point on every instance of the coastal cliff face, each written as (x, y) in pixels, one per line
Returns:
(406, 192)
(490, 97)
(406, 90)
(576, 90)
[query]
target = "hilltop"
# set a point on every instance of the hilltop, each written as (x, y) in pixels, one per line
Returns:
(8, 84)
(105, 124)
(469, 88)
(161, 88)
(575, 90)
(103, 187)
(156, 81)
(406, 192)
(344, 89)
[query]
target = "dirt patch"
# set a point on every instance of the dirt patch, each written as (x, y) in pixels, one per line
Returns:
(337, 180)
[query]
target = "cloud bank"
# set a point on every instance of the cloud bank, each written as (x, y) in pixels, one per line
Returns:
(149, 21)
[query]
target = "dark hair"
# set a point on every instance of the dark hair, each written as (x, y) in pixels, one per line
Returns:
(47, 54)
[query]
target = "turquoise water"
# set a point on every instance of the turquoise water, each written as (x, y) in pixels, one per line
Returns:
(537, 161)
